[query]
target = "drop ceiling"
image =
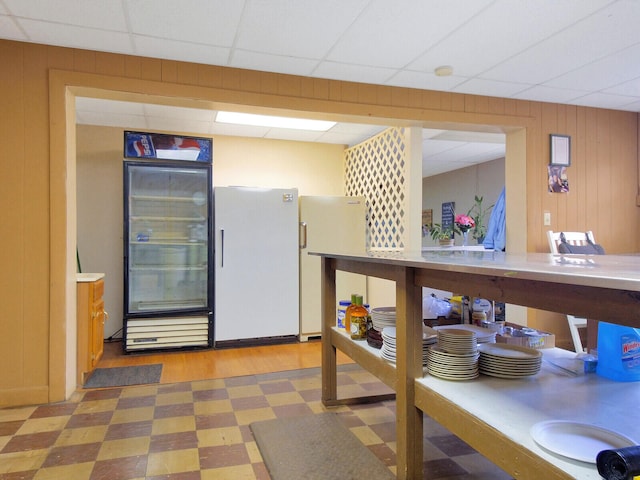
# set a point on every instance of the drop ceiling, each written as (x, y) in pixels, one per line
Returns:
(577, 52)
(442, 151)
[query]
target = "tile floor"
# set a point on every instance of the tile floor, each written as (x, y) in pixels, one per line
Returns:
(200, 430)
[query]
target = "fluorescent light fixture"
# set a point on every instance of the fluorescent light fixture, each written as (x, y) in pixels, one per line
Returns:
(274, 122)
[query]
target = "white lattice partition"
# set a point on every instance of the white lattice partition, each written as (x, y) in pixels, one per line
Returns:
(380, 170)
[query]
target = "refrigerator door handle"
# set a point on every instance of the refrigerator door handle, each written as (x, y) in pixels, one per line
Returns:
(221, 247)
(303, 245)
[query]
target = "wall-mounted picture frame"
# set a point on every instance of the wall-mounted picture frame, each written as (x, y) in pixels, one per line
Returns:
(560, 150)
(427, 217)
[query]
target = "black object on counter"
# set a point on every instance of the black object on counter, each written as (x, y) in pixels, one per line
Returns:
(619, 464)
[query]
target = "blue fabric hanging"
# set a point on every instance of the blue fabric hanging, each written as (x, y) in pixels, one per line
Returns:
(496, 237)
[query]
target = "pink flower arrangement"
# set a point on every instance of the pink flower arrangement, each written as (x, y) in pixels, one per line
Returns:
(464, 222)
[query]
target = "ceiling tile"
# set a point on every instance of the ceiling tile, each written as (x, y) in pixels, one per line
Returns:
(473, 137)
(430, 133)
(300, 28)
(109, 106)
(237, 130)
(210, 22)
(178, 125)
(416, 26)
(9, 29)
(631, 107)
(423, 80)
(574, 46)
(87, 14)
(357, 129)
(350, 133)
(293, 135)
(352, 73)
(501, 31)
(112, 119)
(180, 113)
(434, 147)
(543, 93)
(631, 88)
(479, 86)
(341, 138)
(76, 37)
(271, 63)
(604, 73)
(604, 100)
(180, 51)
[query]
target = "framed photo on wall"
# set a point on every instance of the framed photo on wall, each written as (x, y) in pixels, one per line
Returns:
(427, 218)
(560, 150)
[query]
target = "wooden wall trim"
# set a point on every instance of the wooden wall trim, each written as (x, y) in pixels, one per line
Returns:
(24, 396)
(347, 107)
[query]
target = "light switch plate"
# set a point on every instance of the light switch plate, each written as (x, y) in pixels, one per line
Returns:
(547, 218)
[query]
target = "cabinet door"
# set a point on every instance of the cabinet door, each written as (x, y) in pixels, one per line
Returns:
(97, 332)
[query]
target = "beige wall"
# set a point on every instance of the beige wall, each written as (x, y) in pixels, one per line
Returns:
(312, 168)
(37, 84)
(461, 186)
(99, 213)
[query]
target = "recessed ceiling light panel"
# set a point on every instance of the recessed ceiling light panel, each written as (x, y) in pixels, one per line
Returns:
(273, 122)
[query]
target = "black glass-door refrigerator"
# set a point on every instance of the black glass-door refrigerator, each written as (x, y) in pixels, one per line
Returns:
(168, 273)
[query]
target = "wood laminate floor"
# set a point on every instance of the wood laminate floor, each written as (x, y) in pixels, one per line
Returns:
(187, 366)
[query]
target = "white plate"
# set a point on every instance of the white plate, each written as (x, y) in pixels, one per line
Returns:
(484, 335)
(505, 350)
(579, 441)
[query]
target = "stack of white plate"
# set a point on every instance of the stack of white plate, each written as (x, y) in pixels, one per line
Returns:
(452, 366)
(456, 355)
(388, 350)
(508, 361)
(483, 335)
(382, 317)
(454, 340)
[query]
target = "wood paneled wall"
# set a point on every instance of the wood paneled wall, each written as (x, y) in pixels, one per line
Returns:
(38, 82)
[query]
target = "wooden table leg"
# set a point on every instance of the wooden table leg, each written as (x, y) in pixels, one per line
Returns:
(329, 361)
(409, 418)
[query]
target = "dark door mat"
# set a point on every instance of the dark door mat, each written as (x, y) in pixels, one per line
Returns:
(315, 447)
(123, 376)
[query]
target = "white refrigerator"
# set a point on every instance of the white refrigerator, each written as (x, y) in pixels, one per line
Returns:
(256, 265)
(328, 224)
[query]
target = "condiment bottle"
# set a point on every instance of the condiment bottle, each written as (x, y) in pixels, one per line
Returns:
(358, 320)
(342, 311)
(347, 313)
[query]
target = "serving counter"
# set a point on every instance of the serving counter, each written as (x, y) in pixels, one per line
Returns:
(493, 415)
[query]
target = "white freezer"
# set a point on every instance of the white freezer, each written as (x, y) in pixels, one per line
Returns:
(256, 263)
(328, 224)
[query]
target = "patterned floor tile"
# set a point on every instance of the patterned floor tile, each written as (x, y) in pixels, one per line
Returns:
(200, 430)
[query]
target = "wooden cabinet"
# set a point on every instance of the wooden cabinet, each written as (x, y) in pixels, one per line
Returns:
(90, 316)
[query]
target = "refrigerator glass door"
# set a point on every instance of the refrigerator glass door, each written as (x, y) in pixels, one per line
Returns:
(168, 238)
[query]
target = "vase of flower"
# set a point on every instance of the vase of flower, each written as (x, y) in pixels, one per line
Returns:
(479, 214)
(464, 224)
